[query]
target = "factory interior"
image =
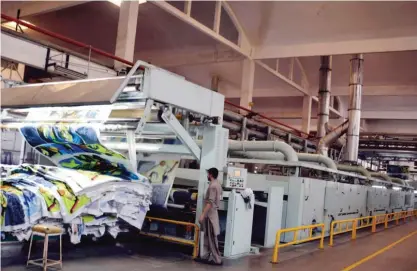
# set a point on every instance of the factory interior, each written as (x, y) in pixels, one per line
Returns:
(234, 135)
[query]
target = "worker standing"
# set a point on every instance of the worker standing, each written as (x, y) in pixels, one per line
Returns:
(209, 220)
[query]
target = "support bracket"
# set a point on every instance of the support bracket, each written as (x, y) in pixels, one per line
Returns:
(145, 117)
(182, 134)
(131, 147)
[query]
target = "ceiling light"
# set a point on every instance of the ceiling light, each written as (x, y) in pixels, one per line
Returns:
(396, 188)
(118, 2)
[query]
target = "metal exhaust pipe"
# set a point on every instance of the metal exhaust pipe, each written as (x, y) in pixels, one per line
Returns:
(354, 111)
(324, 94)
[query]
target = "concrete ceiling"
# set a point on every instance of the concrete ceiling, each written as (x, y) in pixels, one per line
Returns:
(385, 31)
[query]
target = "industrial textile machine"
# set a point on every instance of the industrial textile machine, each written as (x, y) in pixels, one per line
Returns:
(145, 115)
(137, 114)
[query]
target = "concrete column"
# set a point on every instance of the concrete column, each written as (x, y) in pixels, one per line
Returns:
(306, 115)
(126, 31)
(248, 76)
(215, 83)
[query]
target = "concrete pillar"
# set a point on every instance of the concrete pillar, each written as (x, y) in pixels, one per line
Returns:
(306, 115)
(215, 83)
(126, 31)
(248, 77)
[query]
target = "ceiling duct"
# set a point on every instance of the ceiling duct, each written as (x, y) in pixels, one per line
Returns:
(324, 94)
(354, 110)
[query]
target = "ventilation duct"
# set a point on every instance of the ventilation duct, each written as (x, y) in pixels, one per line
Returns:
(331, 137)
(354, 110)
(382, 176)
(324, 94)
(356, 169)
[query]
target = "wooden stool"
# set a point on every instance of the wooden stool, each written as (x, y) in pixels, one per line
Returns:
(45, 231)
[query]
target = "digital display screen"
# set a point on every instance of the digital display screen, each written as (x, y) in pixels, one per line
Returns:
(237, 173)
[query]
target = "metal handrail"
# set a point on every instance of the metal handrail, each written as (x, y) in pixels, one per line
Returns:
(336, 227)
(295, 240)
(194, 243)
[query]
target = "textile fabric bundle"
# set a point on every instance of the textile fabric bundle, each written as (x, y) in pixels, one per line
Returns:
(94, 189)
(90, 203)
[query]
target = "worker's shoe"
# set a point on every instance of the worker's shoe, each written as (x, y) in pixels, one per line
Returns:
(201, 260)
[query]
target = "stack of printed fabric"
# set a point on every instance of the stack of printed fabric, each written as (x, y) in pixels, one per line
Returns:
(93, 191)
(83, 202)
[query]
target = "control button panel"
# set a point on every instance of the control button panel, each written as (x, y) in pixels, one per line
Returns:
(236, 178)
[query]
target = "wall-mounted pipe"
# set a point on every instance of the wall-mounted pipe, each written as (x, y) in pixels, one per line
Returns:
(259, 155)
(382, 176)
(317, 158)
(354, 110)
(325, 76)
(307, 157)
(275, 146)
(331, 137)
(357, 169)
(399, 181)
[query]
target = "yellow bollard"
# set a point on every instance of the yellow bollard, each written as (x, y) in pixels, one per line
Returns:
(322, 238)
(386, 221)
(331, 234)
(354, 225)
(275, 253)
(374, 224)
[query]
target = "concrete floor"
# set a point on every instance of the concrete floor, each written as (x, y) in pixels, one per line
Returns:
(157, 256)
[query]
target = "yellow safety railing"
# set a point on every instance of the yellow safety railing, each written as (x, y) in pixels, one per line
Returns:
(295, 240)
(342, 226)
(194, 243)
(380, 219)
(352, 225)
(339, 227)
(365, 222)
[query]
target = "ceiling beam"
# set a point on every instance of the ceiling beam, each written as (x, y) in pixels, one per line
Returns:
(244, 41)
(336, 48)
(283, 78)
(233, 92)
(245, 51)
(390, 115)
(393, 90)
(176, 58)
(28, 8)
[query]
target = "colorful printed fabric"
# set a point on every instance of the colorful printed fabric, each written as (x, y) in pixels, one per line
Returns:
(161, 175)
(89, 203)
(77, 147)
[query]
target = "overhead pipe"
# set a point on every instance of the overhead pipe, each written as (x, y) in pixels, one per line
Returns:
(265, 117)
(275, 146)
(325, 76)
(354, 110)
(399, 181)
(317, 158)
(232, 116)
(278, 156)
(237, 128)
(331, 137)
(382, 176)
(306, 157)
(356, 169)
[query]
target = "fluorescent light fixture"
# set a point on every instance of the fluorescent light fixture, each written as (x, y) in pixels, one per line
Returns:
(119, 2)
(396, 188)
(415, 191)
(12, 25)
(379, 186)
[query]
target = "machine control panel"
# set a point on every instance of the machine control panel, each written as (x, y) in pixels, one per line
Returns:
(236, 178)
